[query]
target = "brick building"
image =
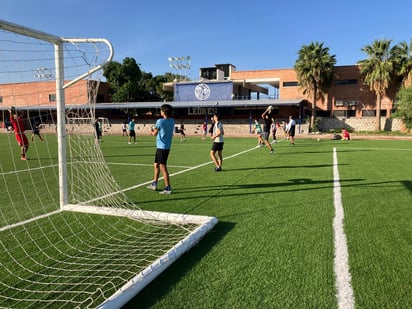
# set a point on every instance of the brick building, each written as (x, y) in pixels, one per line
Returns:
(240, 94)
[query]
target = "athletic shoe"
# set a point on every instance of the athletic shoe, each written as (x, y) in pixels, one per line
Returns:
(166, 190)
(272, 151)
(23, 158)
(153, 186)
(218, 169)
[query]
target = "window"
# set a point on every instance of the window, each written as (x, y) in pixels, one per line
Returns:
(1, 99)
(350, 113)
(368, 113)
(52, 98)
(344, 113)
(346, 82)
(100, 98)
(290, 84)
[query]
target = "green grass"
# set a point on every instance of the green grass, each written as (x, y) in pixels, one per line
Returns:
(273, 246)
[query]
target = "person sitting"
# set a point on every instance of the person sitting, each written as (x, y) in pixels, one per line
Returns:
(345, 134)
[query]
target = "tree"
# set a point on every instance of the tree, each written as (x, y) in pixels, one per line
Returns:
(402, 54)
(128, 83)
(403, 106)
(315, 72)
(123, 80)
(378, 70)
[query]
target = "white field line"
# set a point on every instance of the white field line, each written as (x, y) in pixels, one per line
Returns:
(344, 290)
(187, 169)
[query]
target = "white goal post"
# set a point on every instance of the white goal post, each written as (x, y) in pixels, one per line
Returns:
(69, 235)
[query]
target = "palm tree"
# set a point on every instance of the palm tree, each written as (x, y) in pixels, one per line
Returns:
(402, 54)
(378, 70)
(315, 72)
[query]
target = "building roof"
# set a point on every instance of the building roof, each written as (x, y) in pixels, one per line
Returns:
(181, 104)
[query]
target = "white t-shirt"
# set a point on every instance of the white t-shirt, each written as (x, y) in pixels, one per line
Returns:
(218, 127)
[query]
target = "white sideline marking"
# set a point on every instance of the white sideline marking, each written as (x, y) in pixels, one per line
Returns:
(187, 169)
(344, 290)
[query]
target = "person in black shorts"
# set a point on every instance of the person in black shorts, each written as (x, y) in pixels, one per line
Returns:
(267, 123)
(36, 131)
(217, 146)
(291, 130)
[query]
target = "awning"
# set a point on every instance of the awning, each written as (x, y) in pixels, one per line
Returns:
(185, 104)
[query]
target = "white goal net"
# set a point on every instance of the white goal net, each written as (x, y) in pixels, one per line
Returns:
(69, 236)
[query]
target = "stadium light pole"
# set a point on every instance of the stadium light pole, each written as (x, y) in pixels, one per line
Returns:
(181, 65)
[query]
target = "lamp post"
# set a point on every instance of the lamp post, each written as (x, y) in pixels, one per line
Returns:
(181, 66)
(43, 73)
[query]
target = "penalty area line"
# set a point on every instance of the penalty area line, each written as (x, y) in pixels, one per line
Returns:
(344, 290)
(188, 169)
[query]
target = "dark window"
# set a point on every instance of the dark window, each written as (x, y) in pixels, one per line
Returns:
(1, 99)
(52, 98)
(368, 113)
(350, 113)
(346, 113)
(208, 73)
(322, 113)
(346, 82)
(339, 113)
(100, 98)
(290, 84)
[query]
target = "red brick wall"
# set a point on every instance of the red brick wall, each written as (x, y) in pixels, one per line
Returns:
(358, 92)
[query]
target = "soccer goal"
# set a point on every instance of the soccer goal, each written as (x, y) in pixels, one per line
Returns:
(70, 237)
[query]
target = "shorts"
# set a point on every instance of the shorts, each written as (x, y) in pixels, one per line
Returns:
(132, 133)
(265, 135)
(161, 156)
(22, 139)
(217, 146)
(292, 131)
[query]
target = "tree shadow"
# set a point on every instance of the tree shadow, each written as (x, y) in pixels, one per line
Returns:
(407, 184)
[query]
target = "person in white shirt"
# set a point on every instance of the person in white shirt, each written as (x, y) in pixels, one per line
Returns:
(290, 129)
(217, 146)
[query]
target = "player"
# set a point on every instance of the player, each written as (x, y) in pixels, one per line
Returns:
(98, 130)
(217, 146)
(18, 127)
(267, 123)
(132, 132)
(36, 131)
(163, 130)
(258, 130)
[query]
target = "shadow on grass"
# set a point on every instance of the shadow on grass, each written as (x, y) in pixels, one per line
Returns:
(236, 190)
(407, 184)
(165, 281)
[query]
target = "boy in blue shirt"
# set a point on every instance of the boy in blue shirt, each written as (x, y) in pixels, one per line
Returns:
(163, 130)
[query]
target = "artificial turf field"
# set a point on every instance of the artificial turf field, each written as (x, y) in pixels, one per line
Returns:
(274, 244)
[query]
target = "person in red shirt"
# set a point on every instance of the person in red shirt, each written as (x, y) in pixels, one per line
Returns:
(18, 128)
(346, 135)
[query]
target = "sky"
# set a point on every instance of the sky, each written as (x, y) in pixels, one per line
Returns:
(251, 35)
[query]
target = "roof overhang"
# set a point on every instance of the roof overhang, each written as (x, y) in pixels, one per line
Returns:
(273, 81)
(183, 104)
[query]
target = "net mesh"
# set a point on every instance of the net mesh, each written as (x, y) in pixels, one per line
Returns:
(86, 253)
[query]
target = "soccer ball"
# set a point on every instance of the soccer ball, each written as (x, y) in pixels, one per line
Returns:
(318, 139)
